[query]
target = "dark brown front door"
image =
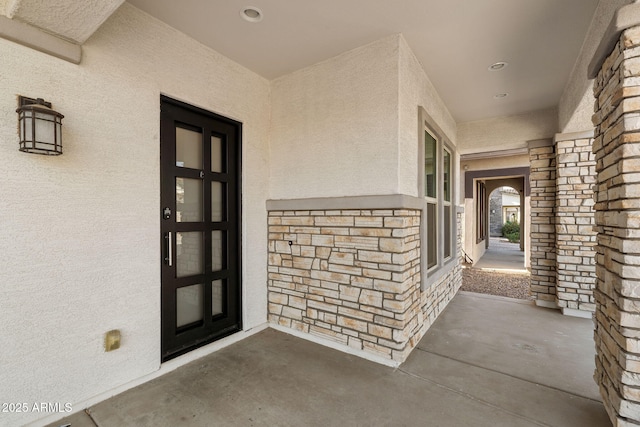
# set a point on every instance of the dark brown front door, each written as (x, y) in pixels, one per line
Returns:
(200, 226)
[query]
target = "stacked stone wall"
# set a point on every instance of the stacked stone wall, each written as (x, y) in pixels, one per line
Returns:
(575, 234)
(436, 297)
(617, 150)
(542, 180)
(353, 277)
(495, 214)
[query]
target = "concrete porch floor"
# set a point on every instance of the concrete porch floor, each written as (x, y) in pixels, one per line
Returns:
(501, 255)
(487, 361)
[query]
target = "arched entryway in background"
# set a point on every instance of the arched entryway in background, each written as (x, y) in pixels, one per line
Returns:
(479, 185)
(504, 214)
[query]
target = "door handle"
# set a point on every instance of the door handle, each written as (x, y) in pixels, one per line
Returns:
(168, 259)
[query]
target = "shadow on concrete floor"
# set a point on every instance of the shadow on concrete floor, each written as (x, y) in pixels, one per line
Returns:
(486, 361)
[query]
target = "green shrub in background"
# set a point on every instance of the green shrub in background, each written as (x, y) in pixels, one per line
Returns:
(513, 237)
(511, 230)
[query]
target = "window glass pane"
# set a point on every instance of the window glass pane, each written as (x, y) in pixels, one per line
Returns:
(430, 163)
(217, 154)
(217, 201)
(447, 176)
(217, 297)
(432, 235)
(217, 243)
(188, 200)
(188, 149)
(447, 231)
(189, 305)
(189, 254)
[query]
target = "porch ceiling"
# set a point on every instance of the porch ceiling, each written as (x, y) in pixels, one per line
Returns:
(455, 40)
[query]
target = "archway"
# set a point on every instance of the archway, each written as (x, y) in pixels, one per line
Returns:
(479, 185)
(504, 215)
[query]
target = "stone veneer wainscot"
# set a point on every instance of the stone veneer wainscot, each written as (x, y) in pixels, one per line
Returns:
(352, 276)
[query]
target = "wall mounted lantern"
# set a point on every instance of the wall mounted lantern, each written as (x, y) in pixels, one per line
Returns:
(39, 126)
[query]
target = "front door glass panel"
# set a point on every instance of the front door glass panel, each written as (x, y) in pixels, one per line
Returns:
(189, 200)
(217, 297)
(217, 201)
(189, 254)
(217, 252)
(188, 148)
(217, 155)
(189, 305)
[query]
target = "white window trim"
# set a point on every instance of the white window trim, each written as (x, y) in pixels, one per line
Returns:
(443, 266)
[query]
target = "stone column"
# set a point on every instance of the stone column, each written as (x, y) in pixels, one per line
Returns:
(542, 179)
(616, 67)
(575, 236)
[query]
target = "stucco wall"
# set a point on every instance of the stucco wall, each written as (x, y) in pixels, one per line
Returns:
(517, 161)
(416, 90)
(81, 245)
(335, 126)
(503, 133)
(576, 105)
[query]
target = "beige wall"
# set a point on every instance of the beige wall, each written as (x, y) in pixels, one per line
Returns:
(576, 105)
(509, 132)
(518, 161)
(81, 233)
(335, 126)
(348, 126)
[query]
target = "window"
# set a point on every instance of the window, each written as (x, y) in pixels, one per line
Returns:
(439, 224)
(431, 194)
(446, 202)
(430, 165)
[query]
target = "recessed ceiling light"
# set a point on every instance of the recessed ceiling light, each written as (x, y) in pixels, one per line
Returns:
(498, 66)
(251, 14)
(500, 95)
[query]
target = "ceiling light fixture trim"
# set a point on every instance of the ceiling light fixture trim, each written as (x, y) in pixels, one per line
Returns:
(251, 14)
(498, 66)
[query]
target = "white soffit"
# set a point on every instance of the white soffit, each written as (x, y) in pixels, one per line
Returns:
(37, 39)
(454, 40)
(73, 20)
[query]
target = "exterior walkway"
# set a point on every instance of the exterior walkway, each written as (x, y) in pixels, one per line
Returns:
(501, 255)
(487, 361)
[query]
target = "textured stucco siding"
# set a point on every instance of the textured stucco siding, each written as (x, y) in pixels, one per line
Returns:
(416, 90)
(335, 126)
(509, 132)
(80, 251)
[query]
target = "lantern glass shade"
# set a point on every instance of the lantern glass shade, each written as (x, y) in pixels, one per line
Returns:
(40, 127)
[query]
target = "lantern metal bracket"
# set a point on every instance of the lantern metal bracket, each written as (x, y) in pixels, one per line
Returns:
(24, 100)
